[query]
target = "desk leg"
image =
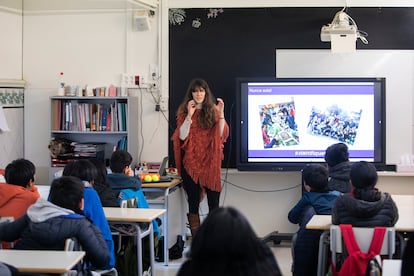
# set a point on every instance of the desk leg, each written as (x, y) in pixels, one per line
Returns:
(166, 234)
(322, 254)
(139, 250)
(151, 249)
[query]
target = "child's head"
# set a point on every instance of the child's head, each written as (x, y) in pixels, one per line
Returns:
(363, 175)
(83, 169)
(316, 177)
(67, 192)
(20, 172)
(336, 154)
(101, 171)
(120, 159)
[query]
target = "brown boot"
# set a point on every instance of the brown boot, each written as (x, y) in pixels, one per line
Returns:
(194, 221)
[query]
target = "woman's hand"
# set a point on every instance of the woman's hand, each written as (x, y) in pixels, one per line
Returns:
(191, 106)
(220, 106)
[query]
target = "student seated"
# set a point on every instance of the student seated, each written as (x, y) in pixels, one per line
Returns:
(317, 199)
(47, 225)
(226, 244)
(20, 190)
(86, 171)
(337, 159)
(101, 185)
(124, 182)
(122, 176)
(365, 205)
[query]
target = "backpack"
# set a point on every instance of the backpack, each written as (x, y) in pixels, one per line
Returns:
(357, 261)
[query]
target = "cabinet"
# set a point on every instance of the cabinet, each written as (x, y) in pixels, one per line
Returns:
(103, 122)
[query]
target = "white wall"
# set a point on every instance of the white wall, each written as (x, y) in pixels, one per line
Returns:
(91, 48)
(11, 42)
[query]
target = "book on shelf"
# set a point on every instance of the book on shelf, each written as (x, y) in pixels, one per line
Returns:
(122, 143)
(87, 117)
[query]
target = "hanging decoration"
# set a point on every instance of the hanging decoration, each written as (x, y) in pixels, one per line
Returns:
(196, 23)
(213, 13)
(176, 16)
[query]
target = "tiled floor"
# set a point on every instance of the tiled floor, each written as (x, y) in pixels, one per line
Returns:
(282, 253)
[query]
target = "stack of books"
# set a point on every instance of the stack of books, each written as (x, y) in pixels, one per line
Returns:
(89, 150)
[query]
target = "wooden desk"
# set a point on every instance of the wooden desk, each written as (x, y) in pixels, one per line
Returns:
(166, 188)
(405, 223)
(41, 261)
(133, 216)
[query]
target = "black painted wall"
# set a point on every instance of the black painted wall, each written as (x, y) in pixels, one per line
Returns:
(242, 43)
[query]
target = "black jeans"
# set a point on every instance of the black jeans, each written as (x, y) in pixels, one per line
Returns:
(193, 194)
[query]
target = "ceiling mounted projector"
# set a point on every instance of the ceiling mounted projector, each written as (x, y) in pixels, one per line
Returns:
(342, 32)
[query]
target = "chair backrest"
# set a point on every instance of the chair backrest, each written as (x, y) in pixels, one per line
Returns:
(71, 244)
(129, 203)
(363, 236)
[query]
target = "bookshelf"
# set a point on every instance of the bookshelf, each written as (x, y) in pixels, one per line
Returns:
(96, 124)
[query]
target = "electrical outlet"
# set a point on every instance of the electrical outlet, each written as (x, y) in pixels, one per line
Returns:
(164, 103)
(154, 73)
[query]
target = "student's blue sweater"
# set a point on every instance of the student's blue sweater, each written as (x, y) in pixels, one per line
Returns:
(94, 211)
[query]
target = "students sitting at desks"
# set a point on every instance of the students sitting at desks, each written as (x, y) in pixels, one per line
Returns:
(226, 244)
(365, 205)
(86, 171)
(20, 190)
(47, 225)
(317, 199)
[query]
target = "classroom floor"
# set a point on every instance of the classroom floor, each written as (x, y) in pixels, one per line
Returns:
(282, 253)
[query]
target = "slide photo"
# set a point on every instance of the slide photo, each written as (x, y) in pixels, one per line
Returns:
(279, 128)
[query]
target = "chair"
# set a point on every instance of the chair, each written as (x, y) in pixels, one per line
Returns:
(363, 237)
(71, 244)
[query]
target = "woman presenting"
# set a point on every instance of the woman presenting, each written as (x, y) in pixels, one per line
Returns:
(198, 147)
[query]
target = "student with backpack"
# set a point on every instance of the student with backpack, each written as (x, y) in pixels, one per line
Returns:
(364, 206)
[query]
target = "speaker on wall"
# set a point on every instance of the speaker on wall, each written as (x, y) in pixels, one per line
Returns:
(141, 21)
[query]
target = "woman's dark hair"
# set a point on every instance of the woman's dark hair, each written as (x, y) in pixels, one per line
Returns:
(119, 160)
(364, 177)
(83, 169)
(316, 176)
(207, 116)
(226, 244)
(20, 172)
(67, 192)
(336, 154)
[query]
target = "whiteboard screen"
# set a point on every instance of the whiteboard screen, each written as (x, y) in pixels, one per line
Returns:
(397, 66)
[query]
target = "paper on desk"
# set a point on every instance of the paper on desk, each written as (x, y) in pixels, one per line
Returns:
(3, 122)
